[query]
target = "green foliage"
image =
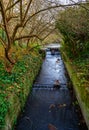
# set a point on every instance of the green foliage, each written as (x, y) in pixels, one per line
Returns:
(82, 69)
(3, 34)
(3, 107)
(79, 71)
(73, 23)
(18, 83)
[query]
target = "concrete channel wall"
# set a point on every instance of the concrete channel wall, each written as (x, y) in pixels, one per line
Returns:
(76, 85)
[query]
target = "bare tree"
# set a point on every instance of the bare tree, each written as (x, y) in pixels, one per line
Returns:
(25, 20)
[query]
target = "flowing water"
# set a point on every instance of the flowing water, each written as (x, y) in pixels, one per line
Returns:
(47, 105)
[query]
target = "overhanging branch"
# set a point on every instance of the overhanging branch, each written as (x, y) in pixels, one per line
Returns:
(82, 4)
(3, 42)
(48, 34)
(4, 20)
(28, 37)
(27, 9)
(49, 8)
(12, 5)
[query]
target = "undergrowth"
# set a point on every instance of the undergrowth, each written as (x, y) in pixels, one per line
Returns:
(25, 69)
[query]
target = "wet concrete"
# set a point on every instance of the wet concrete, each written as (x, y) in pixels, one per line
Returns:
(47, 105)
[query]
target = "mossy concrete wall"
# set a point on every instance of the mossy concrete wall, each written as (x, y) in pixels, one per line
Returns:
(77, 88)
(17, 102)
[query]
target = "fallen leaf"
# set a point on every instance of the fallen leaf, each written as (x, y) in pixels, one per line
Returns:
(51, 106)
(51, 127)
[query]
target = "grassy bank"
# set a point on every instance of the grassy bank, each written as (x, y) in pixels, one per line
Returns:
(78, 70)
(15, 87)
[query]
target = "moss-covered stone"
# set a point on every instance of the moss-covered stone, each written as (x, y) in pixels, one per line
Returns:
(79, 89)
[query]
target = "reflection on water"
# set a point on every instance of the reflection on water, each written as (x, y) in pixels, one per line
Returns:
(47, 105)
(52, 70)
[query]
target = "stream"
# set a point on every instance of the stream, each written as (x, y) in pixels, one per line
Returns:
(50, 108)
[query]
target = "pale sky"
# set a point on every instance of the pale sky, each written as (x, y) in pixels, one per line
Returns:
(67, 1)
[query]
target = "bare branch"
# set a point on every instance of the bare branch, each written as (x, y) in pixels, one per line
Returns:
(36, 26)
(15, 30)
(44, 29)
(12, 5)
(48, 34)
(11, 17)
(27, 9)
(82, 4)
(21, 22)
(21, 11)
(28, 37)
(48, 8)
(3, 42)
(4, 20)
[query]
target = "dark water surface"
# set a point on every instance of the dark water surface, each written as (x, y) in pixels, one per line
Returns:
(47, 105)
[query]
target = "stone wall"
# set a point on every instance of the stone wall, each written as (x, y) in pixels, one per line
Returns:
(77, 87)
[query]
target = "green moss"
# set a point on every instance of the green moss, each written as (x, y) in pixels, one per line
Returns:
(79, 86)
(15, 87)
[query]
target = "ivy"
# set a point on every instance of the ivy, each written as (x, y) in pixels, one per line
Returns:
(4, 104)
(15, 83)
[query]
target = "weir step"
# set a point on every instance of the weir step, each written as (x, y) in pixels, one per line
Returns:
(48, 86)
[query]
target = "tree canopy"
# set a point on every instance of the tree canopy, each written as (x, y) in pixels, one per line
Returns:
(73, 23)
(28, 20)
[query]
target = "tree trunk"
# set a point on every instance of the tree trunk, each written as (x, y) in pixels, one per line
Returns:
(7, 55)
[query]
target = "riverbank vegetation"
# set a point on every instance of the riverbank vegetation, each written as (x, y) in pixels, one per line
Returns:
(73, 24)
(24, 25)
(15, 87)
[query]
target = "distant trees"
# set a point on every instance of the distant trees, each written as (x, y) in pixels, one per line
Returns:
(73, 23)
